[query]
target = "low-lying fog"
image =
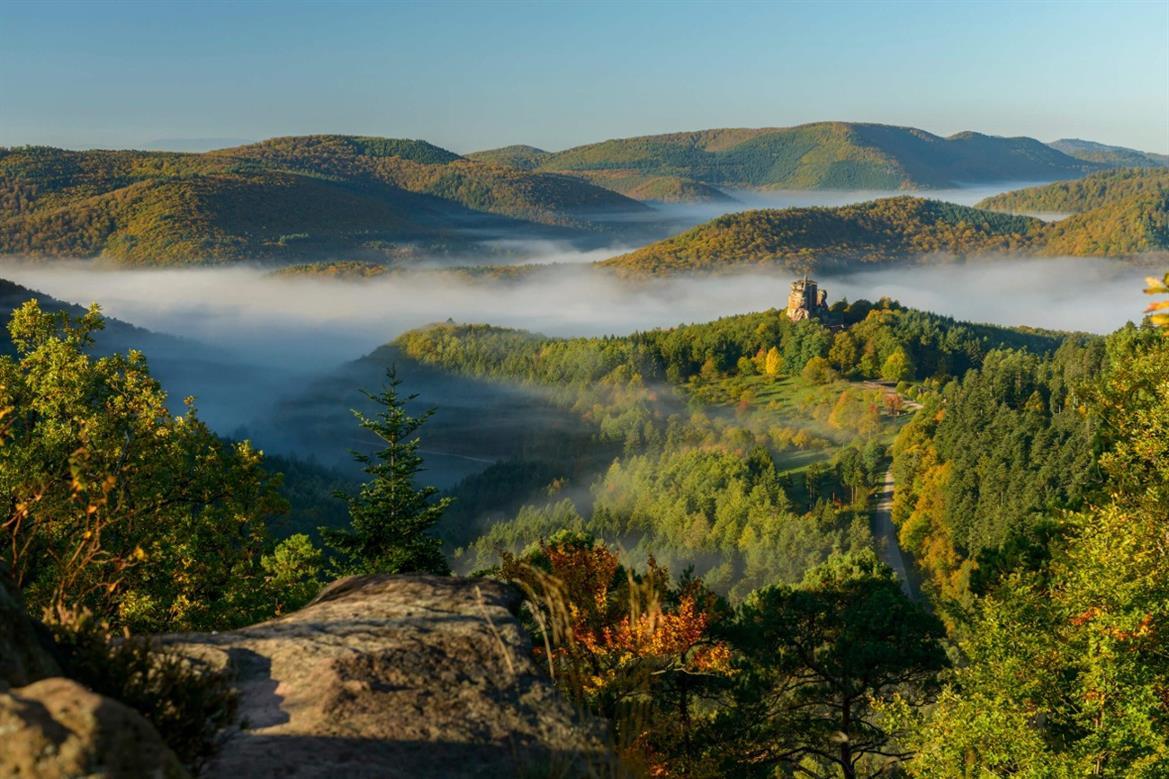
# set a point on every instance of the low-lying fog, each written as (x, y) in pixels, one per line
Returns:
(685, 214)
(312, 324)
(268, 338)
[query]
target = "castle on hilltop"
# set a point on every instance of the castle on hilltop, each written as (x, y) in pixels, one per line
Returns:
(806, 300)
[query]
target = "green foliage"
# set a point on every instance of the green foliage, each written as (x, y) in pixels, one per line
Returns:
(897, 367)
(799, 239)
(518, 156)
(978, 465)
(1064, 672)
(1104, 188)
(817, 371)
(287, 198)
(1133, 226)
(826, 155)
(293, 572)
(148, 520)
(390, 517)
(817, 663)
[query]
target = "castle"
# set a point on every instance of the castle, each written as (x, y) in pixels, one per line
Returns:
(806, 300)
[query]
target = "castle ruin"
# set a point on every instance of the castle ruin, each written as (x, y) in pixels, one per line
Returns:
(806, 300)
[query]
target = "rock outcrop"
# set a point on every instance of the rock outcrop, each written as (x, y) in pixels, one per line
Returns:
(57, 729)
(393, 676)
(54, 728)
(24, 647)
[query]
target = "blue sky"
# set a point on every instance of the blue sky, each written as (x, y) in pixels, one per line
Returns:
(475, 75)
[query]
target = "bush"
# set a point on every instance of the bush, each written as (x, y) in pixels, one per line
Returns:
(818, 371)
(187, 703)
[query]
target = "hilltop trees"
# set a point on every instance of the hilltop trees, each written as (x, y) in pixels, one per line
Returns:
(1064, 670)
(816, 664)
(390, 517)
(114, 505)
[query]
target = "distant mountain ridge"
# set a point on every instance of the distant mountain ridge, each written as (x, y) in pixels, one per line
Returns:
(1110, 155)
(286, 198)
(341, 197)
(824, 155)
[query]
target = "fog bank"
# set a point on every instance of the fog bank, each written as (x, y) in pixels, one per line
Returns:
(273, 333)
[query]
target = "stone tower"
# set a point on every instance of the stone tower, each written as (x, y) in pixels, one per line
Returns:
(806, 300)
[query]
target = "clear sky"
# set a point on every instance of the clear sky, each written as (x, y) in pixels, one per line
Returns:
(473, 75)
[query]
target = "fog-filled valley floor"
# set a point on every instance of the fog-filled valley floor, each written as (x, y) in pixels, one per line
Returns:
(248, 341)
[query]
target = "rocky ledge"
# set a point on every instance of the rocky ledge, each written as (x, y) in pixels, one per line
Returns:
(393, 676)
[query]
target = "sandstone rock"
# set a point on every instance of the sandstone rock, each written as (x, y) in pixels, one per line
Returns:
(24, 646)
(56, 728)
(394, 676)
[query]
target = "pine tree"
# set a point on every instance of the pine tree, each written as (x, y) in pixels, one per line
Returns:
(390, 517)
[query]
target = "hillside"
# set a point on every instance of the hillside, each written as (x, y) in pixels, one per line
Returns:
(284, 199)
(1103, 188)
(805, 238)
(1135, 225)
(518, 156)
(827, 155)
(1109, 155)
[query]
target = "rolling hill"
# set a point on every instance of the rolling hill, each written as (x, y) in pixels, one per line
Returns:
(1109, 155)
(284, 199)
(1072, 197)
(896, 229)
(827, 155)
(806, 238)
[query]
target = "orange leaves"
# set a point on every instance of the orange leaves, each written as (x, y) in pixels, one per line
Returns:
(614, 633)
(1159, 310)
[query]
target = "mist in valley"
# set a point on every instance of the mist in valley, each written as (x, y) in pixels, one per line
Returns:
(683, 215)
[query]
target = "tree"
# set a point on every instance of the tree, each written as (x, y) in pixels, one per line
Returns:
(148, 520)
(773, 362)
(897, 367)
(1064, 669)
(817, 371)
(390, 516)
(845, 352)
(817, 661)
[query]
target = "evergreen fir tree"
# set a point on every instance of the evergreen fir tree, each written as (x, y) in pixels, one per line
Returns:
(390, 517)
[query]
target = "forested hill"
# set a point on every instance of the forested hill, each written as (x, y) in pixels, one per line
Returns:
(896, 229)
(826, 155)
(1109, 155)
(935, 346)
(1103, 188)
(806, 238)
(287, 198)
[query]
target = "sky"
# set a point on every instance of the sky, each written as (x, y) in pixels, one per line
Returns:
(476, 75)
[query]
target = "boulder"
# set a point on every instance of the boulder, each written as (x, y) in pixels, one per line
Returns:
(394, 676)
(25, 647)
(57, 729)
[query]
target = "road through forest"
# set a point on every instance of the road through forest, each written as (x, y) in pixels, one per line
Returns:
(885, 534)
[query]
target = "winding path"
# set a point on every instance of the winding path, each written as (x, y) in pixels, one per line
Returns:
(885, 534)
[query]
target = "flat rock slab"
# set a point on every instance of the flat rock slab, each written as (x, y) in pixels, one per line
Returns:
(394, 676)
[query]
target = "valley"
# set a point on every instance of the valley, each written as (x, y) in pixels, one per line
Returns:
(621, 392)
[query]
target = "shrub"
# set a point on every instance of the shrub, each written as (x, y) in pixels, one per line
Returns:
(185, 701)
